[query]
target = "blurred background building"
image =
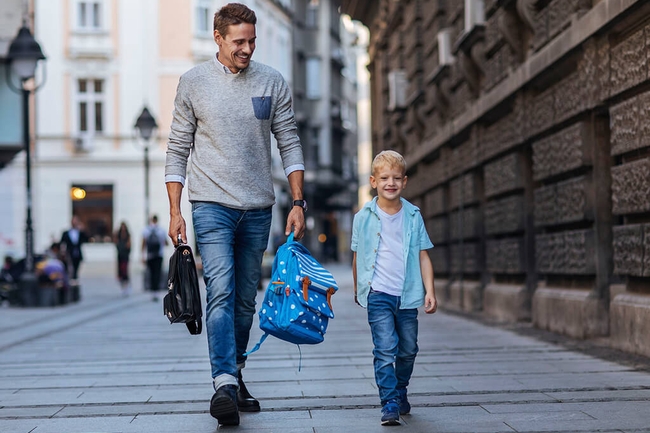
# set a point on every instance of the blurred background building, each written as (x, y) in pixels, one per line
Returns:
(524, 125)
(325, 92)
(12, 225)
(108, 60)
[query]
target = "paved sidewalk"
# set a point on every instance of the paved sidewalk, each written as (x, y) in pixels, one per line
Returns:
(113, 364)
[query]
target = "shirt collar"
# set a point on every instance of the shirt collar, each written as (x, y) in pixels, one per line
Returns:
(225, 68)
(407, 206)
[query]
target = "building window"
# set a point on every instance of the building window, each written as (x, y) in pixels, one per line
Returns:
(313, 78)
(93, 204)
(89, 15)
(311, 151)
(90, 97)
(311, 17)
(203, 18)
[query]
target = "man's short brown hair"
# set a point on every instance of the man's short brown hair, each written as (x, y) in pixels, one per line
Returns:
(232, 13)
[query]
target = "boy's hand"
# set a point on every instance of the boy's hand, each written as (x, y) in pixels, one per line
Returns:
(430, 304)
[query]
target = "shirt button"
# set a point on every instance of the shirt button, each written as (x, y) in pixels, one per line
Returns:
(378, 234)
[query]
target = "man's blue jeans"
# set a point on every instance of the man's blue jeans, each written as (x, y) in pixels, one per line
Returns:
(395, 335)
(231, 243)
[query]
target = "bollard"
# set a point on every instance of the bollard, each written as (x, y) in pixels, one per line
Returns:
(47, 295)
(75, 292)
(28, 288)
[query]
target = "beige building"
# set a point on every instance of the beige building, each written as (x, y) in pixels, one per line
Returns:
(106, 61)
(523, 123)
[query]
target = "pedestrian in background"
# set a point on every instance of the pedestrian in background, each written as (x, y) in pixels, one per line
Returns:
(71, 243)
(122, 241)
(154, 240)
(393, 276)
(50, 269)
(224, 113)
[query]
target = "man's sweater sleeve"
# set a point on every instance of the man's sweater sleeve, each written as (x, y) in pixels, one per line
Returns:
(181, 136)
(285, 130)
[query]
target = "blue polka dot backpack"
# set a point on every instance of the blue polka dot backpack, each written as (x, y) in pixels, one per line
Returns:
(297, 302)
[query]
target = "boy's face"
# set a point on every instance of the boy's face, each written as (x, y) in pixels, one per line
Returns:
(389, 182)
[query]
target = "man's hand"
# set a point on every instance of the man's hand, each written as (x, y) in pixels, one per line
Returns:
(176, 221)
(296, 221)
(176, 227)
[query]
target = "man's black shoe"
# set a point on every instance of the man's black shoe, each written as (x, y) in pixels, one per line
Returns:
(245, 401)
(223, 405)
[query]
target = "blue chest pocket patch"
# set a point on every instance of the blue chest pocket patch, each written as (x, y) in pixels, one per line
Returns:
(262, 107)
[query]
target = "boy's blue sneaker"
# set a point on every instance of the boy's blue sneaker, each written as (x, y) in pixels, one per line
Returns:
(390, 413)
(404, 405)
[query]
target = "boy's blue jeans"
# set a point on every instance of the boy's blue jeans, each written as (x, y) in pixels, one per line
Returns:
(231, 243)
(394, 334)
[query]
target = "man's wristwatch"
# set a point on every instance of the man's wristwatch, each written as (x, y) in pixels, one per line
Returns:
(301, 203)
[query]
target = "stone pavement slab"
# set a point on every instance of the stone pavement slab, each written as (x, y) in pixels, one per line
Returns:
(115, 365)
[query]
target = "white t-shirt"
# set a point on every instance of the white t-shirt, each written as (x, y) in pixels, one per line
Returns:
(389, 268)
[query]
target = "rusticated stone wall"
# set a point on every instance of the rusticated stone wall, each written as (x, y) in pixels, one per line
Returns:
(568, 253)
(631, 175)
(504, 216)
(564, 202)
(630, 187)
(529, 154)
(632, 250)
(561, 152)
(564, 198)
(505, 256)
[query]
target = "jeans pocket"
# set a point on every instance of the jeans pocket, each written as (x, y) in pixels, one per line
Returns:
(262, 107)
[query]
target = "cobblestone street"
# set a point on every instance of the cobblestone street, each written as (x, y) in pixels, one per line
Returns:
(113, 364)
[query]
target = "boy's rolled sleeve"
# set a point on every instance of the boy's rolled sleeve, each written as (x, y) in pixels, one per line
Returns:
(354, 244)
(425, 242)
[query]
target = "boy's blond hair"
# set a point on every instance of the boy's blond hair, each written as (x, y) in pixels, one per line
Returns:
(388, 158)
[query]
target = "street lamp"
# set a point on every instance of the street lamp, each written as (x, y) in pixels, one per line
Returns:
(24, 53)
(146, 124)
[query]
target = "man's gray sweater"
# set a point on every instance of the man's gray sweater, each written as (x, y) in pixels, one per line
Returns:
(224, 121)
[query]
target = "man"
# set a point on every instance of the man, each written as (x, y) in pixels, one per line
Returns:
(224, 112)
(71, 243)
(153, 244)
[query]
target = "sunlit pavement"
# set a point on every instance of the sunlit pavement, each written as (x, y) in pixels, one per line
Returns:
(115, 364)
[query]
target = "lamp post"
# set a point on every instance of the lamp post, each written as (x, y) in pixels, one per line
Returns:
(24, 53)
(146, 124)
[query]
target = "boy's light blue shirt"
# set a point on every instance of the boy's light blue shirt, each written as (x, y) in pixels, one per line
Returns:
(365, 242)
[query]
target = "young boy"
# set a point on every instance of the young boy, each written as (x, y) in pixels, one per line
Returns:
(393, 276)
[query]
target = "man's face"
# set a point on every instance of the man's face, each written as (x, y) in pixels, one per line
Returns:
(236, 48)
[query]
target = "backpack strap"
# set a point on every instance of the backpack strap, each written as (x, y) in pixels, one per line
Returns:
(330, 292)
(305, 288)
(259, 343)
(257, 346)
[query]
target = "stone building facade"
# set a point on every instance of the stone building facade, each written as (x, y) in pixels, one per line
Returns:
(525, 125)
